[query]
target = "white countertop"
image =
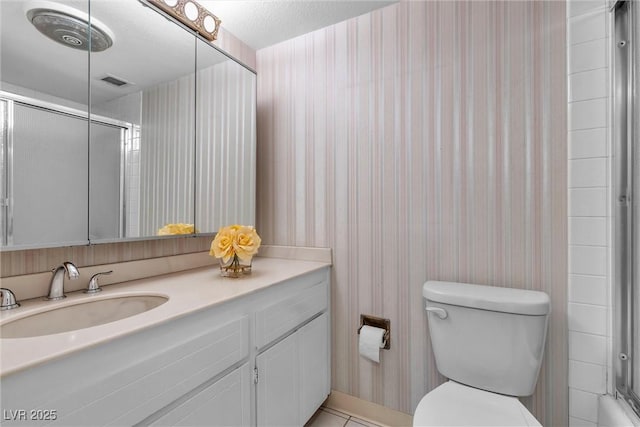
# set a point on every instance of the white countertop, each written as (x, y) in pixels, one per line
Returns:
(188, 291)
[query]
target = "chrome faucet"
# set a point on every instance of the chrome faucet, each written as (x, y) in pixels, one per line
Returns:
(56, 287)
(8, 300)
(93, 286)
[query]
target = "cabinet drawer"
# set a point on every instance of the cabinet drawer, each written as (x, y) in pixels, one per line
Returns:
(285, 315)
(143, 374)
(226, 402)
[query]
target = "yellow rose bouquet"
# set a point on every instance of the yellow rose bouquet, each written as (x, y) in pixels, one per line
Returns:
(235, 246)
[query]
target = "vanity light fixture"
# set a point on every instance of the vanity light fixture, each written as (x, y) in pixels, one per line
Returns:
(192, 15)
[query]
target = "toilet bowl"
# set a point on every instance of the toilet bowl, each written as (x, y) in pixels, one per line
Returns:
(453, 404)
(489, 342)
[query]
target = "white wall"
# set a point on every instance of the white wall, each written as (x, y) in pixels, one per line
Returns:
(588, 27)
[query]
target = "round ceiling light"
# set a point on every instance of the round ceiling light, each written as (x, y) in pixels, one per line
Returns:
(209, 23)
(191, 11)
(70, 30)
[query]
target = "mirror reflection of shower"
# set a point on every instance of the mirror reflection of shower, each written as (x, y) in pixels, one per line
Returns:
(44, 184)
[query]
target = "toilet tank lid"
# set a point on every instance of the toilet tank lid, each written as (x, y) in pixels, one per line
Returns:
(493, 298)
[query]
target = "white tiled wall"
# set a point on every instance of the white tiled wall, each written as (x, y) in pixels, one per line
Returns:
(588, 25)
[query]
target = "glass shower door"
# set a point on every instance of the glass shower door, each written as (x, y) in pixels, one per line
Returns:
(626, 207)
(634, 87)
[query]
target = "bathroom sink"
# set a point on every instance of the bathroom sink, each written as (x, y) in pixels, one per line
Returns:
(80, 316)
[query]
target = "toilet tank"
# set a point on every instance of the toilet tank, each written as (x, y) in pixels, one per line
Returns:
(488, 337)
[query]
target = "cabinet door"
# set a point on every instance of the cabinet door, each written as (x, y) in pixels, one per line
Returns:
(278, 396)
(226, 402)
(314, 365)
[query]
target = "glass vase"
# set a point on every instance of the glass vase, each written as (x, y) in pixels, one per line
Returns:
(235, 267)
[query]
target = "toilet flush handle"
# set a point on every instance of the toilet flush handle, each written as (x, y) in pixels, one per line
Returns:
(440, 312)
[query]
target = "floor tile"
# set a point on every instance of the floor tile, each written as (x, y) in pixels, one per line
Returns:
(356, 422)
(325, 419)
(335, 412)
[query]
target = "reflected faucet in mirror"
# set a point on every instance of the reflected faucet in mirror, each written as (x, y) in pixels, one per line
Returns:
(56, 287)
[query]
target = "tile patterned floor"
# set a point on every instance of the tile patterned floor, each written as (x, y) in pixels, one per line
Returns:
(326, 417)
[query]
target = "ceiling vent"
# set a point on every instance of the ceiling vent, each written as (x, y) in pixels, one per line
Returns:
(114, 81)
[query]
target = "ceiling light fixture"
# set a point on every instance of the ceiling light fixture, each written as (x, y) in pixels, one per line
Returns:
(69, 27)
(193, 15)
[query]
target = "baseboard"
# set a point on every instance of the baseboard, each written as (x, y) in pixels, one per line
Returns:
(366, 410)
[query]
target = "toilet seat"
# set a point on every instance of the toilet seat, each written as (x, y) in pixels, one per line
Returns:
(454, 404)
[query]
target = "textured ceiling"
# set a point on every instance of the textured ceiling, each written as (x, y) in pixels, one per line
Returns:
(148, 49)
(264, 23)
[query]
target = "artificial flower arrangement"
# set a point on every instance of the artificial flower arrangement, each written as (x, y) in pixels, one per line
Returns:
(235, 246)
(180, 228)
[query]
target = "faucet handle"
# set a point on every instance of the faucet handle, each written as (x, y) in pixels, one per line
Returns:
(93, 283)
(8, 300)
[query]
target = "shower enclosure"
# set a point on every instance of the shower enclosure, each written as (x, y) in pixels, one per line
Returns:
(626, 208)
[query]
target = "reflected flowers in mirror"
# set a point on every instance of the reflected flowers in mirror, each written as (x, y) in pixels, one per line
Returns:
(173, 229)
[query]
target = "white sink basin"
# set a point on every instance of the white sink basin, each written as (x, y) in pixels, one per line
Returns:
(79, 316)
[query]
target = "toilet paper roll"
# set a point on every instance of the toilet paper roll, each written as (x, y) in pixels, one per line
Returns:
(371, 342)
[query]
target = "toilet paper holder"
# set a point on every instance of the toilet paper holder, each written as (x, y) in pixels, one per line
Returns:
(378, 322)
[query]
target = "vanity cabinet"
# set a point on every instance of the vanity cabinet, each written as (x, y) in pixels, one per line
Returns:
(293, 376)
(292, 365)
(261, 358)
(128, 380)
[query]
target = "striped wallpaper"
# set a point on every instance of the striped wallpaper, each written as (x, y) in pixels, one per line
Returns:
(235, 47)
(16, 263)
(221, 164)
(167, 153)
(425, 140)
(225, 147)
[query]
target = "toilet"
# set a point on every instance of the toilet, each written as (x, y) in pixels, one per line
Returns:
(489, 342)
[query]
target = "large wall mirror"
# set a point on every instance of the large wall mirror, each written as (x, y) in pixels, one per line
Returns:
(43, 119)
(154, 127)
